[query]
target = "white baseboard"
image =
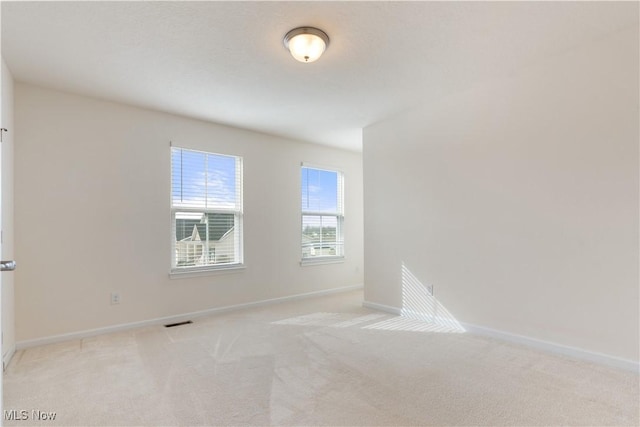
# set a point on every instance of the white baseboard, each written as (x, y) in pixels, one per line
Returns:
(552, 347)
(21, 345)
(547, 346)
(382, 307)
(6, 358)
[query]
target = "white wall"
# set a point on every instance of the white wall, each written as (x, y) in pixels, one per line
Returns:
(8, 329)
(92, 183)
(518, 201)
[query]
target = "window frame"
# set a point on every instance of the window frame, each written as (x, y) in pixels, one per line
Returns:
(339, 214)
(238, 212)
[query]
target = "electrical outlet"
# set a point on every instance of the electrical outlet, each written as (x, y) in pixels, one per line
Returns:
(115, 298)
(430, 289)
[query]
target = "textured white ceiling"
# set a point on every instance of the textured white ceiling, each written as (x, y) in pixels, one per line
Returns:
(224, 61)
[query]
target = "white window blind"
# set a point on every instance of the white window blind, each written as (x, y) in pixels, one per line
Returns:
(206, 210)
(322, 213)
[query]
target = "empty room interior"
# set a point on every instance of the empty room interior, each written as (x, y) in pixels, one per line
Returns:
(320, 213)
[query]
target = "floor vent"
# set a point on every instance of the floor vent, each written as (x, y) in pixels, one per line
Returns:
(171, 325)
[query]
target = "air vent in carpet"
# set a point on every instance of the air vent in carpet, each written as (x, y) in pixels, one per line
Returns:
(171, 325)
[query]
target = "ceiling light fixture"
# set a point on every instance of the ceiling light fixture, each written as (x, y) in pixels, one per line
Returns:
(306, 44)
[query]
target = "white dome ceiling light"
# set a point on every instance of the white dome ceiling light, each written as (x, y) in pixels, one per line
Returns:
(306, 44)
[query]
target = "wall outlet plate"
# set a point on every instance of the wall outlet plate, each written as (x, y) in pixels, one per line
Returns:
(115, 298)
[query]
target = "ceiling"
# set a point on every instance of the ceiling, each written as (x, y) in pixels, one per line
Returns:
(225, 62)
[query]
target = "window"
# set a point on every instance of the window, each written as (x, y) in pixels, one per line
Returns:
(206, 210)
(322, 214)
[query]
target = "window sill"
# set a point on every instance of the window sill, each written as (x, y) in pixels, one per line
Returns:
(210, 271)
(322, 260)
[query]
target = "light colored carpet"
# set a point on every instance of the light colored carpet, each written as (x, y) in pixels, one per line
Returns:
(322, 361)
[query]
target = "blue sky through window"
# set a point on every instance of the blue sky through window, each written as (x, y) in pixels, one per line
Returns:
(203, 180)
(208, 181)
(319, 190)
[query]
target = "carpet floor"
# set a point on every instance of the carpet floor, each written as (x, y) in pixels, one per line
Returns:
(321, 361)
